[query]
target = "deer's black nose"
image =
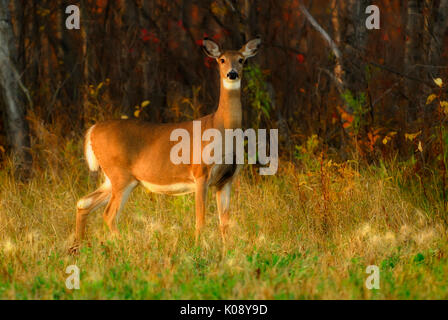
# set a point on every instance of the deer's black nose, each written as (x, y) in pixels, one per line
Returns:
(232, 75)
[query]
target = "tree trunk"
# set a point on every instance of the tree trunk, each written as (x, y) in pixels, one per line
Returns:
(413, 53)
(251, 25)
(16, 126)
(71, 57)
(129, 28)
(437, 38)
(86, 56)
(356, 41)
(358, 9)
(335, 21)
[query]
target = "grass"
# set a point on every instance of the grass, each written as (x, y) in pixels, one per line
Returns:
(308, 232)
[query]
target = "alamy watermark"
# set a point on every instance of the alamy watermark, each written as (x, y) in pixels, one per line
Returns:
(73, 20)
(373, 20)
(373, 280)
(72, 281)
(228, 149)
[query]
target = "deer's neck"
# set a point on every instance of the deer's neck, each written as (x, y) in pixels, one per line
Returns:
(229, 113)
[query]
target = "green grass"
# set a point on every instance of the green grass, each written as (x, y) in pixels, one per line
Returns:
(306, 233)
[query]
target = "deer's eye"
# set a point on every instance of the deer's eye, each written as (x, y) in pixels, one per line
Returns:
(222, 60)
(241, 60)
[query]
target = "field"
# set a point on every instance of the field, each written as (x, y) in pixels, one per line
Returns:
(308, 232)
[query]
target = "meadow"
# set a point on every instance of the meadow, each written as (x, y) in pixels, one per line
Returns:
(309, 232)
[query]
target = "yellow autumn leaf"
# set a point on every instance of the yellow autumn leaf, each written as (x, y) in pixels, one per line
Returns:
(145, 103)
(438, 82)
(444, 105)
(386, 140)
(124, 117)
(431, 98)
(420, 148)
(137, 113)
(412, 136)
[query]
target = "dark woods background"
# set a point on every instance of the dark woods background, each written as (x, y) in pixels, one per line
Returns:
(365, 96)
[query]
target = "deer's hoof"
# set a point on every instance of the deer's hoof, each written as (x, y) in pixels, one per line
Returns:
(74, 249)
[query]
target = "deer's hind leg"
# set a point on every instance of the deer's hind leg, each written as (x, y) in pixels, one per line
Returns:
(120, 194)
(86, 205)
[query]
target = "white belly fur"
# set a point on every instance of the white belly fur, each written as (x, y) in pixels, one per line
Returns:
(177, 189)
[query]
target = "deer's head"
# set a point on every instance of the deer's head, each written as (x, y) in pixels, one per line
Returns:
(231, 62)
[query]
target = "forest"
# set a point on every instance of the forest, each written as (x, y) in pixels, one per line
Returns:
(362, 123)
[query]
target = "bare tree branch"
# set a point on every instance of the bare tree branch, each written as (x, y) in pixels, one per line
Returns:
(323, 33)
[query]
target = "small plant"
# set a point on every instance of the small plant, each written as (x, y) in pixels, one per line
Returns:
(258, 94)
(97, 103)
(139, 108)
(440, 132)
(306, 152)
(194, 103)
(359, 109)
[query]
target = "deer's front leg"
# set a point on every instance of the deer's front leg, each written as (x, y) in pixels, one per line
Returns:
(223, 204)
(200, 197)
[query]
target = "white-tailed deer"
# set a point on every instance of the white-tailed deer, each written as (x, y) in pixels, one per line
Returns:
(132, 152)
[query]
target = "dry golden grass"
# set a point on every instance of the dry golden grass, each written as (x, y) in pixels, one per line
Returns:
(307, 233)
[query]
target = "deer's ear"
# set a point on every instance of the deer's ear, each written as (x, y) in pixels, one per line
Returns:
(250, 49)
(211, 48)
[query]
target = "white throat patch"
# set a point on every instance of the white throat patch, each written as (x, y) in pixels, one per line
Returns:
(231, 85)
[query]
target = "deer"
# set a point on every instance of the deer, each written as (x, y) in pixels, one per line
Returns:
(132, 152)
